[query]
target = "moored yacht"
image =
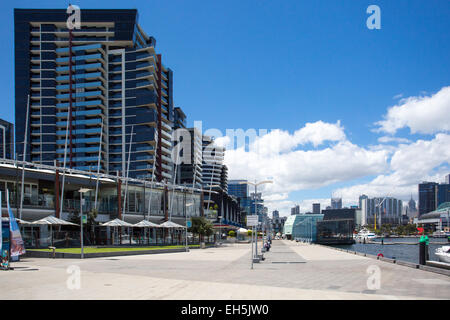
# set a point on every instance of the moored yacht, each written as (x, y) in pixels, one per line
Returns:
(365, 234)
(443, 253)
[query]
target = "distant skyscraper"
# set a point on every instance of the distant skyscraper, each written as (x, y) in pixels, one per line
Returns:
(428, 200)
(361, 198)
(447, 179)
(238, 188)
(336, 203)
(275, 214)
(443, 194)
(295, 210)
(316, 208)
(412, 209)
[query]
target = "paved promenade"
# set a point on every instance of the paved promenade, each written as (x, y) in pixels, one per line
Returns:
(291, 271)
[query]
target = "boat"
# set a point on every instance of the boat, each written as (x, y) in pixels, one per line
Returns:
(440, 234)
(443, 254)
(365, 234)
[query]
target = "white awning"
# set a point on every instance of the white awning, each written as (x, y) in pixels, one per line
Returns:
(146, 224)
(51, 220)
(170, 224)
(117, 223)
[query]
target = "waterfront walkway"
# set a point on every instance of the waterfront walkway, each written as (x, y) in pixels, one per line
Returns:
(291, 270)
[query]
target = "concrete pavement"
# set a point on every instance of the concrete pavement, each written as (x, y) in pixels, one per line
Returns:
(291, 271)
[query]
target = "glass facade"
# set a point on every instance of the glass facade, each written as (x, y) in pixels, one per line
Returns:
(335, 231)
(302, 227)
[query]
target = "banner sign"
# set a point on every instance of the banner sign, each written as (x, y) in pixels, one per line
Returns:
(252, 220)
(4, 253)
(17, 245)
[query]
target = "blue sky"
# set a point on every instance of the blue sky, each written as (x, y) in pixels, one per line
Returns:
(282, 64)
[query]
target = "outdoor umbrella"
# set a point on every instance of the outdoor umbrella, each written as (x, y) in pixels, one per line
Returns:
(52, 221)
(146, 224)
(171, 225)
(116, 223)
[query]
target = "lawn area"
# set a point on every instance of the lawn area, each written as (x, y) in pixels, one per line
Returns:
(100, 249)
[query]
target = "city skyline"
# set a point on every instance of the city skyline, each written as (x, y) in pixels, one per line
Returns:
(387, 149)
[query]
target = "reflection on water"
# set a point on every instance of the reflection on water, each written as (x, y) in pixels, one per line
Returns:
(404, 252)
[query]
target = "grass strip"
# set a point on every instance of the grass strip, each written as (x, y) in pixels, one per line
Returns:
(100, 249)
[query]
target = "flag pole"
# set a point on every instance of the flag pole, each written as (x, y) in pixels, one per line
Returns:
(24, 157)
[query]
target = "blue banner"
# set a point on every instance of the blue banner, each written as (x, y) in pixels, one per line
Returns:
(17, 245)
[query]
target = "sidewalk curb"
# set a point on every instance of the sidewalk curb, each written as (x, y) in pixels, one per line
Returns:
(394, 261)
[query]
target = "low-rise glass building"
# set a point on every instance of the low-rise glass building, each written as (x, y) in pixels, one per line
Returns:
(302, 227)
(339, 231)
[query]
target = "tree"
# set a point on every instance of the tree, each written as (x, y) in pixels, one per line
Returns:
(90, 223)
(231, 233)
(202, 227)
(249, 233)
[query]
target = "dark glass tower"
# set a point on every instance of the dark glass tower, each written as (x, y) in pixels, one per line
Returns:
(428, 200)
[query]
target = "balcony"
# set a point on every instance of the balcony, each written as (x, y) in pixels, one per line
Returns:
(79, 94)
(80, 131)
(88, 66)
(87, 76)
(90, 103)
(80, 85)
(77, 48)
(81, 113)
(78, 122)
(87, 57)
(144, 167)
(146, 157)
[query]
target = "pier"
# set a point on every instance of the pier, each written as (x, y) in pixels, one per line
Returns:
(291, 270)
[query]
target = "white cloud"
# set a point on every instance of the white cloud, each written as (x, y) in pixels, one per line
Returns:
(275, 154)
(389, 139)
(398, 163)
(423, 160)
(423, 114)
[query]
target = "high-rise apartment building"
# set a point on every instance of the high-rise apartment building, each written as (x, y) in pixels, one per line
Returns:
(386, 210)
(94, 91)
(212, 164)
(191, 173)
(224, 178)
(7, 140)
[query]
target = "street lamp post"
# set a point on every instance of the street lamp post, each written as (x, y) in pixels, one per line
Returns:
(81, 191)
(220, 229)
(256, 184)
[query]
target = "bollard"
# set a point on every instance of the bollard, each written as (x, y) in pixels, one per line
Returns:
(423, 248)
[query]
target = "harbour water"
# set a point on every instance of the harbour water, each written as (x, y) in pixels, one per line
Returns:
(403, 252)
